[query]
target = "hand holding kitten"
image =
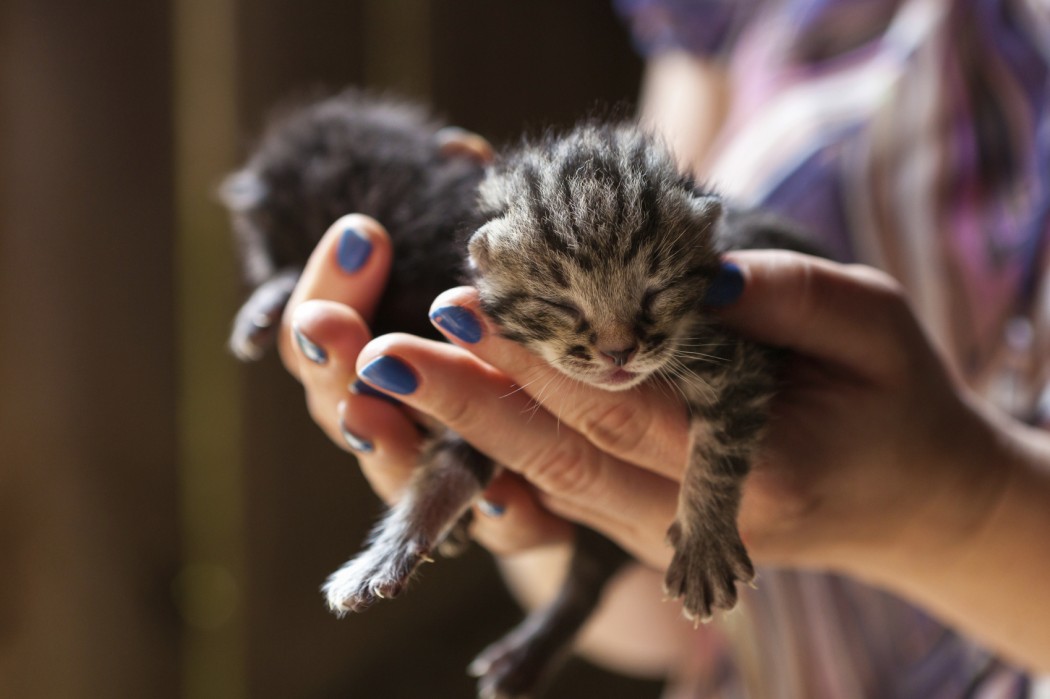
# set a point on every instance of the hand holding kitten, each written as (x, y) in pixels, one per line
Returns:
(876, 464)
(863, 442)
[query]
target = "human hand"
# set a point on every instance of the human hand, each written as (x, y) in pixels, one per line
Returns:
(325, 328)
(868, 447)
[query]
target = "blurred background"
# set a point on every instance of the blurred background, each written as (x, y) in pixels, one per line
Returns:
(161, 507)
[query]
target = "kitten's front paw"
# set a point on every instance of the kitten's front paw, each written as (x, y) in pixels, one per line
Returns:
(380, 572)
(705, 569)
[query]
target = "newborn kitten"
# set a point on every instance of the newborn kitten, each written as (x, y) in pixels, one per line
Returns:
(596, 254)
(589, 248)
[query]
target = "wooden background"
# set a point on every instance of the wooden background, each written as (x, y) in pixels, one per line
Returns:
(166, 516)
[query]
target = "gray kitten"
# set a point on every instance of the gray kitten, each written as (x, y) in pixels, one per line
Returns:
(589, 248)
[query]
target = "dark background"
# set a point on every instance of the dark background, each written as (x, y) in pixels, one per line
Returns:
(166, 516)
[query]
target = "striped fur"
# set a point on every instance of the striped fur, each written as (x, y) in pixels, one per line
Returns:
(596, 253)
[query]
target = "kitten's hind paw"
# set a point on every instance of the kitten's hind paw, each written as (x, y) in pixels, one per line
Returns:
(511, 667)
(705, 569)
(380, 572)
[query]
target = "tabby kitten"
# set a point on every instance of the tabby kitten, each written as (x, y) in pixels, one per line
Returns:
(589, 248)
(596, 253)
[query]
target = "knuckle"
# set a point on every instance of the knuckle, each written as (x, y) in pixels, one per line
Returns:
(568, 469)
(458, 412)
(619, 428)
(890, 310)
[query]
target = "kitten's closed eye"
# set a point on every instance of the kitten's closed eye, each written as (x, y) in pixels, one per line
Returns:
(568, 308)
(651, 296)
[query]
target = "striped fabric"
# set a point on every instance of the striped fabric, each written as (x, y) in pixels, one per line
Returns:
(913, 135)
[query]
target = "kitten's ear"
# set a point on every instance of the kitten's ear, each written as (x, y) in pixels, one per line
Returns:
(242, 190)
(707, 208)
(478, 249)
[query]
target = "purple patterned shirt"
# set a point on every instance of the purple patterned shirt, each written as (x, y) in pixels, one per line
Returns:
(912, 135)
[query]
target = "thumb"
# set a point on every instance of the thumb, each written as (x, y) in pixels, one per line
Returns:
(851, 315)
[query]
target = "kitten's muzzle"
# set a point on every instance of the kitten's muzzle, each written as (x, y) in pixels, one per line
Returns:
(620, 356)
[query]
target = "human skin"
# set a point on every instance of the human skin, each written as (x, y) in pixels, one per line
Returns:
(877, 463)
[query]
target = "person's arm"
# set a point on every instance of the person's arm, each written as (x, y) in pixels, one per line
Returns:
(876, 465)
(685, 98)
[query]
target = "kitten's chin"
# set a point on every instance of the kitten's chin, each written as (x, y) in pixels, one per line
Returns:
(617, 380)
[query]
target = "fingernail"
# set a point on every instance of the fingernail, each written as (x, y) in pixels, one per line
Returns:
(360, 388)
(313, 351)
(353, 251)
(490, 508)
(458, 322)
(390, 374)
(354, 442)
(727, 286)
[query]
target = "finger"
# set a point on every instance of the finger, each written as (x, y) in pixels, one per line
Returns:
(481, 404)
(644, 426)
(350, 266)
(851, 315)
(328, 337)
(509, 519)
(393, 440)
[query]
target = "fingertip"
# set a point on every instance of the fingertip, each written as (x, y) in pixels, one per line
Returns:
(350, 265)
(510, 519)
(465, 296)
(458, 323)
(327, 330)
(727, 286)
(358, 240)
(384, 440)
(851, 315)
(353, 441)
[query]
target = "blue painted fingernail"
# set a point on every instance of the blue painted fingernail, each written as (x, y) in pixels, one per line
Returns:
(354, 442)
(313, 351)
(360, 388)
(727, 286)
(390, 374)
(491, 509)
(354, 249)
(458, 322)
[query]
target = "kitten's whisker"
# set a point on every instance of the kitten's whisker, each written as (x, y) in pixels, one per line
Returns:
(689, 342)
(539, 368)
(686, 375)
(668, 379)
(522, 387)
(700, 355)
(537, 399)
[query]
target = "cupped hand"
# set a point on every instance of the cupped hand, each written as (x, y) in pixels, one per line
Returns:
(869, 447)
(325, 328)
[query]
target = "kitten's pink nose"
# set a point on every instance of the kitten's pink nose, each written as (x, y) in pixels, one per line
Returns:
(620, 356)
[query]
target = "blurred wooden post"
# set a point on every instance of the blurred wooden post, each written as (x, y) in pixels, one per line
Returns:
(88, 533)
(209, 587)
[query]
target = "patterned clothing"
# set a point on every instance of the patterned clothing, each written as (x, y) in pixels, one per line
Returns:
(913, 135)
